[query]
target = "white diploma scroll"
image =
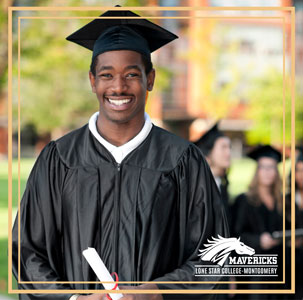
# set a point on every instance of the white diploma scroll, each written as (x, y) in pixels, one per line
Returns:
(100, 270)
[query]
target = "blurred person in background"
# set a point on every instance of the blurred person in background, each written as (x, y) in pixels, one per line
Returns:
(258, 213)
(298, 225)
(216, 148)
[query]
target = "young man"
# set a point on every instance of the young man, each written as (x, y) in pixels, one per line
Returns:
(144, 198)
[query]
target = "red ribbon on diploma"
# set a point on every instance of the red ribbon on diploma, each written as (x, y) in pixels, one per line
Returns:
(116, 285)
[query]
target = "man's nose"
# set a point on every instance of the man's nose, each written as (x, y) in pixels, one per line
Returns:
(119, 85)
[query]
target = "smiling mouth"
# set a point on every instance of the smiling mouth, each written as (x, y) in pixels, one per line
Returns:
(118, 102)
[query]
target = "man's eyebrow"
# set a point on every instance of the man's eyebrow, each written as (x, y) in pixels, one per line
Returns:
(133, 67)
(102, 68)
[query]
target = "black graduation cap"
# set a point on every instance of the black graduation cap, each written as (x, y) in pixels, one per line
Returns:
(208, 139)
(265, 151)
(141, 35)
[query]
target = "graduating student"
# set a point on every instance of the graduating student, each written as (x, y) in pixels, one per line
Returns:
(258, 213)
(217, 150)
(298, 225)
(259, 210)
(144, 198)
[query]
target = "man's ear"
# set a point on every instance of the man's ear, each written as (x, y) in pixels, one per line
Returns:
(92, 80)
(151, 79)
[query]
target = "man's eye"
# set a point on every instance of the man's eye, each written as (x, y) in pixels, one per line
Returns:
(105, 75)
(132, 75)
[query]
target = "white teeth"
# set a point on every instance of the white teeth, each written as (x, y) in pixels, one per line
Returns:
(119, 102)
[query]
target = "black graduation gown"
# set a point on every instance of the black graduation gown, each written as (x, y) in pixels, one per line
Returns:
(250, 221)
(146, 217)
(298, 249)
(225, 198)
(253, 220)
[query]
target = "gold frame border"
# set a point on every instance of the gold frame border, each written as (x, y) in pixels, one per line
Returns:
(290, 9)
(19, 145)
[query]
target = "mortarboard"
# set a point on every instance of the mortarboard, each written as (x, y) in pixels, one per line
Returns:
(208, 139)
(265, 151)
(140, 35)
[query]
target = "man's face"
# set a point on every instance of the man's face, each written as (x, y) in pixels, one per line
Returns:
(219, 157)
(120, 85)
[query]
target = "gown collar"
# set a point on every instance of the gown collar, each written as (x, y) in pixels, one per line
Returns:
(119, 153)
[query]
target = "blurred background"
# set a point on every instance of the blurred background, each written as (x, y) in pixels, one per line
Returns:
(228, 69)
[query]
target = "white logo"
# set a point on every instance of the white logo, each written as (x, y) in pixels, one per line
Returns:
(218, 249)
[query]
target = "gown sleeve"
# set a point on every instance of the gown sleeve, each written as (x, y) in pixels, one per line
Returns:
(202, 216)
(40, 233)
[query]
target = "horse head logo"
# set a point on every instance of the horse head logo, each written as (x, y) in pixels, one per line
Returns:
(218, 249)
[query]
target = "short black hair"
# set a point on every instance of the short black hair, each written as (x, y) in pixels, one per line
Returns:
(148, 65)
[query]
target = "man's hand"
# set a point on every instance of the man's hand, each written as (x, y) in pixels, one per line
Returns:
(141, 296)
(128, 296)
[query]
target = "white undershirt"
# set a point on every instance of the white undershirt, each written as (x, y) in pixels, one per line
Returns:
(119, 153)
(218, 181)
(298, 198)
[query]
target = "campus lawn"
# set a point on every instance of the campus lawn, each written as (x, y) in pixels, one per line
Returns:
(239, 176)
(25, 167)
(4, 270)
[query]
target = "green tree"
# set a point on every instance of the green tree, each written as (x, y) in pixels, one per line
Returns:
(213, 96)
(265, 109)
(54, 85)
(3, 46)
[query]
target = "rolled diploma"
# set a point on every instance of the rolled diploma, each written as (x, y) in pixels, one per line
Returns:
(100, 270)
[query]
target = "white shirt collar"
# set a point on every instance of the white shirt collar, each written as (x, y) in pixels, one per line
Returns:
(120, 152)
(218, 181)
(298, 198)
